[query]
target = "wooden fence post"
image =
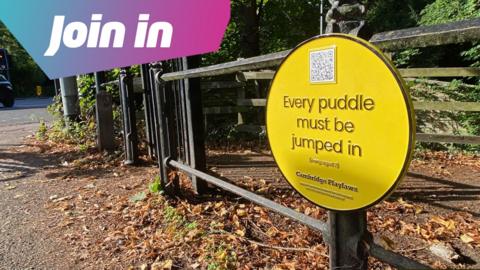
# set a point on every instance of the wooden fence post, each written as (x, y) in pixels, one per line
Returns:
(129, 118)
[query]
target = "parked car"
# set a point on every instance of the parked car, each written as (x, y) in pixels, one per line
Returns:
(7, 97)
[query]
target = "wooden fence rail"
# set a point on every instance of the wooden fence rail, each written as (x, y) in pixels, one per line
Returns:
(443, 34)
(452, 33)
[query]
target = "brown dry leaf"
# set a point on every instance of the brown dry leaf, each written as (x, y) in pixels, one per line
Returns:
(218, 205)
(197, 209)
(66, 223)
(236, 220)
(387, 242)
(449, 224)
(241, 213)
(406, 228)
(285, 266)
(165, 265)
(466, 238)
(426, 234)
(439, 231)
(272, 231)
(240, 233)
(223, 212)
(405, 204)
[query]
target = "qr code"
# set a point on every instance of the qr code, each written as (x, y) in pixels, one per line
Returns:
(322, 66)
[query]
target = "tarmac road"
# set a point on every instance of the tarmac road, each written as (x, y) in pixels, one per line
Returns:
(24, 190)
(22, 120)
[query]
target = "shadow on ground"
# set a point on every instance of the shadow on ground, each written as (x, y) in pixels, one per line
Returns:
(27, 160)
(459, 191)
(15, 165)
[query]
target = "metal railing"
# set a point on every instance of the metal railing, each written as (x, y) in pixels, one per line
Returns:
(178, 137)
(374, 249)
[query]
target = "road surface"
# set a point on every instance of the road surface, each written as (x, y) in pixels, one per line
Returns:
(22, 120)
(24, 190)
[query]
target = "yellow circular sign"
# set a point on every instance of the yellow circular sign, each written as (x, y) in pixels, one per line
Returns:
(340, 122)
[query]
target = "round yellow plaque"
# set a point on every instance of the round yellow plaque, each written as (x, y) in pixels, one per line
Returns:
(340, 122)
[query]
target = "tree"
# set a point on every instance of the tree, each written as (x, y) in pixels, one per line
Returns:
(24, 71)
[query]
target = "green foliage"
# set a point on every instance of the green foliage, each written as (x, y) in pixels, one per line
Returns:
(86, 92)
(170, 215)
(213, 266)
(282, 24)
(155, 186)
(83, 148)
(138, 197)
(191, 225)
(83, 131)
(286, 23)
(388, 15)
(442, 11)
(25, 73)
(405, 58)
(221, 256)
(41, 133)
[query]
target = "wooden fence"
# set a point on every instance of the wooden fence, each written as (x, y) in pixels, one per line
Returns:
(454, 33)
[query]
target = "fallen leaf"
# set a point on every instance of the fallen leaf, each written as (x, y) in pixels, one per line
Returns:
(466, 238)
(241, 213)
(387, 242)
(62, 199)
(138, 197)
(240, 232)
(165, 265)
(444, 251)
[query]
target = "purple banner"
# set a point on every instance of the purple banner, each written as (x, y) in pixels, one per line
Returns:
(68, 37)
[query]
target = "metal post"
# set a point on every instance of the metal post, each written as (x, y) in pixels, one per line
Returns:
(69, 90)
(104, 115)
(195, 125)
(179, 128)
(321, 17)
(56, 84)
(147, 105)
(158, 109)
(172, 124)
(129, 118)
(348, 230)
(164, 100)
(183, 113)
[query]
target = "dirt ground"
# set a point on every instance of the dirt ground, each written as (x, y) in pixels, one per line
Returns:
(61, 208)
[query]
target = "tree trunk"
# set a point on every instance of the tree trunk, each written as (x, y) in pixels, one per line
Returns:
(249, 29)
